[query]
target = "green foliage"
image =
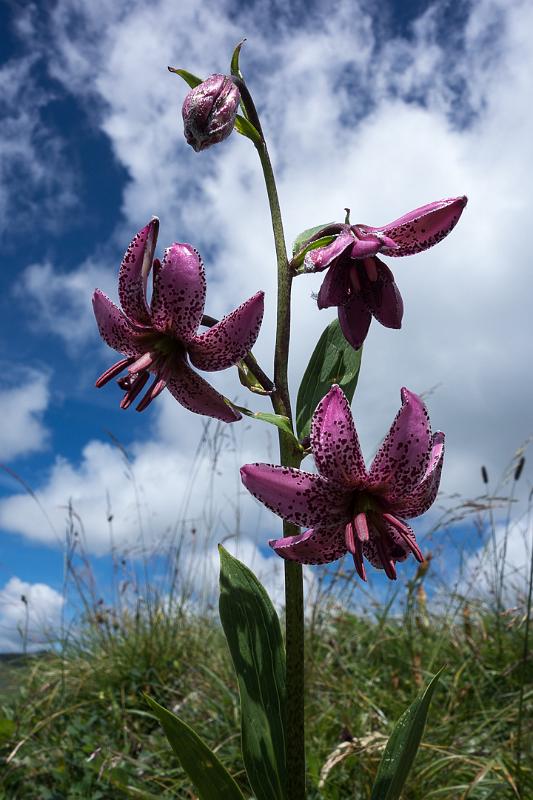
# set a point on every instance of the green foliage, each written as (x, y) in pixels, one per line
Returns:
(402, 747)
(298, 259)
(333, 361)
(246, 128)
(82, 730)
(254, 638)
(191, 80)
(281, 422)
(234, 66)
(210, 778)
(305, 235)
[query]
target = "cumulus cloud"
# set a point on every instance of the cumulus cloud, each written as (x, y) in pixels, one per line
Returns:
(155, 492)
(30, 615)
(34, 178)
(21, 408)
(356, 116)
(60, 301)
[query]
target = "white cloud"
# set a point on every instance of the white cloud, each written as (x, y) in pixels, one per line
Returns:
(379, 124)
(155, 492)
(34, 178)
(21, 409)
(500, 568)
(30, 615)
(61, 301)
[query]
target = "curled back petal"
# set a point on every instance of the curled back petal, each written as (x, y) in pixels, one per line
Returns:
(383, 297)
(367, 247)
(230, 339)
(335, 289)
(134, 271)
(297, 496)
(403, 457)
(115, 328)
(195, 394)
(334, 441)
(354, 319)
(319, 545)
(179, 292)
(322, 257)
(423, 495)
(423, 227)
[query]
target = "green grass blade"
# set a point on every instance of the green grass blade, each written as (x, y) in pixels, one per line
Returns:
(210, 778)
(254, 638)
(402, 747)
(333, 361)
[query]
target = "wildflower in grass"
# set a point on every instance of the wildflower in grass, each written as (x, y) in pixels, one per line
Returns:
(161, 337)
(209, 111)
(358, 282)
(348, 508)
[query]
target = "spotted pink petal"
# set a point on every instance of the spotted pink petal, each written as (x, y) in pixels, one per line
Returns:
(354, 319)
(423, 496)
(197, 395)
(403, 457)
(335, 289)
(134, 271)
(366, 248)
(179, 292)
(231, 338)
(334, 441)
(319, 545)
(383, 297)
(115, 328)
(320, 258)
(423, 227)
(297, 496)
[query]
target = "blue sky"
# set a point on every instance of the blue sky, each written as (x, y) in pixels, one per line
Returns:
(380, 109)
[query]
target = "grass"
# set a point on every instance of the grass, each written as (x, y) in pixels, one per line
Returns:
(79, 728)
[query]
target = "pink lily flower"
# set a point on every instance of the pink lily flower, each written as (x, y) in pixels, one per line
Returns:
(161, 337)
(358, 282)
(347, 507)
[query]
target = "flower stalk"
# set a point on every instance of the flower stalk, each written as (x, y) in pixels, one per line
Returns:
(291, 457)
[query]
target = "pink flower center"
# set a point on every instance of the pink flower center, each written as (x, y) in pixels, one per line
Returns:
(161, 351)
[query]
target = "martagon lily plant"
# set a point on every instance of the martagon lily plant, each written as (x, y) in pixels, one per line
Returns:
(344, 507)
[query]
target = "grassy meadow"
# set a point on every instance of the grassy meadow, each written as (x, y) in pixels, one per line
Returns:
(75, 724)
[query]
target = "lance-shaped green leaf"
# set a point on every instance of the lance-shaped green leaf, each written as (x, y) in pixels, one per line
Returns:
(249, 380)
(299, 256)
(235, 68)
(305, 235)
(192, 80)
(402, 747)
(281, 422)
(254, 638)
(333, 361)
(211, 779)
(245, 127)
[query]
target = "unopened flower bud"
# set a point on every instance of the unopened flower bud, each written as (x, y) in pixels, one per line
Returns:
(209, 111)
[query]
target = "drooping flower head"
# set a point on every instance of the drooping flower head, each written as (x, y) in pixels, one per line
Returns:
(358, 282)
(209, 111)
(347, 507)
(160, 336)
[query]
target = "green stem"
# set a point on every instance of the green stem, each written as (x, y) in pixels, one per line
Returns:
(289, 456)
